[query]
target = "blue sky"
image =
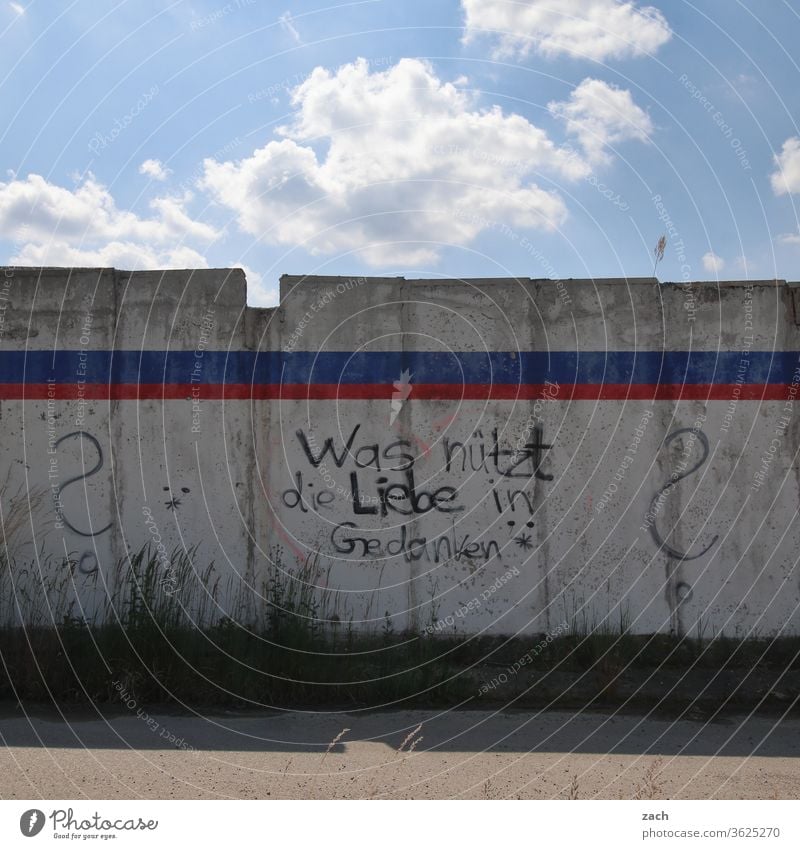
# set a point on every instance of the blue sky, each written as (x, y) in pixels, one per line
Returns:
(549, 138)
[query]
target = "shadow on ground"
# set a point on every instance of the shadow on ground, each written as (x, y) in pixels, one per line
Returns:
(444, 731)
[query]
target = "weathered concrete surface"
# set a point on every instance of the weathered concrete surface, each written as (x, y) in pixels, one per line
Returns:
(564, 537)
(98, 475)
(462, 754)
(459, 456)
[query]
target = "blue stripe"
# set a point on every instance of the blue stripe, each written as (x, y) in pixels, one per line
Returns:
(216, 367)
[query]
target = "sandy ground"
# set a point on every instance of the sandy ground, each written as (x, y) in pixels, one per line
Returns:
(466, 754)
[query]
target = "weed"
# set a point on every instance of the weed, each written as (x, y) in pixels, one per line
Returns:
(572, 793)
(333, 743)
(409, 737)
(68, 636)
(651, 785)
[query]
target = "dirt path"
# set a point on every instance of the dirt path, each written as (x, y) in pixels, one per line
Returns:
(467, 754)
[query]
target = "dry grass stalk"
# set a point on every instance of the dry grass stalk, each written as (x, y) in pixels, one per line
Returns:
(651, 785)
(17, 511)
(333, 742)
(410, 737)
(573, 788)
(415, 743)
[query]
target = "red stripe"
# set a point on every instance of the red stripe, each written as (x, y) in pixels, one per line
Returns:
(421, 391)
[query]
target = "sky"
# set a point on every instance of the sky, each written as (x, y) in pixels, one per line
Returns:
(480, 138)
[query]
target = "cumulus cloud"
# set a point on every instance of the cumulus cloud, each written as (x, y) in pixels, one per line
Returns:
(713, 263)
(600, 115)
(259, 294)
(128, 255)
(52, 225)
(787, 178)
(593, 29)
(154, 168)
(389, 164)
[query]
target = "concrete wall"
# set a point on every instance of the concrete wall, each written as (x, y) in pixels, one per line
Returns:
(501, 456)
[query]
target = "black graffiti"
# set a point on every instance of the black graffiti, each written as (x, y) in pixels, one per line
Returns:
(512, 496)
(403, 498)
(174, 501)
(442, 548)
(522, 462)
(296, 497)
(363, 457)
(87, 564)
(327, 448)
(93, 471)
(382, 495)
(675, 478)
(524, 541)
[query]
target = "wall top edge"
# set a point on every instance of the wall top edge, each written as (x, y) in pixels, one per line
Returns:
(290, 281)
(312, 279)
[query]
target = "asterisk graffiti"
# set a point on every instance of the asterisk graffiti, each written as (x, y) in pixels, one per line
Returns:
(524, 541)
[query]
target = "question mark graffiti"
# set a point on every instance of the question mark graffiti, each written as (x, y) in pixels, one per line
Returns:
(93, 471)
(662, 544)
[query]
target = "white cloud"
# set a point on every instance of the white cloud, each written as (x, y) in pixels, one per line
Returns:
(287, 25)
(178, 225)
(155, 169)
(787, 178)
(593, 29)
(258, 293)
(713, 263)
(17, 8)
(56, 226)
(389, 163)
(600, 115)
(127, 255)
(789, 238)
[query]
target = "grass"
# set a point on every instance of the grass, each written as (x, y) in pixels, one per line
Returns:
(289, 642)
(286, 642)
